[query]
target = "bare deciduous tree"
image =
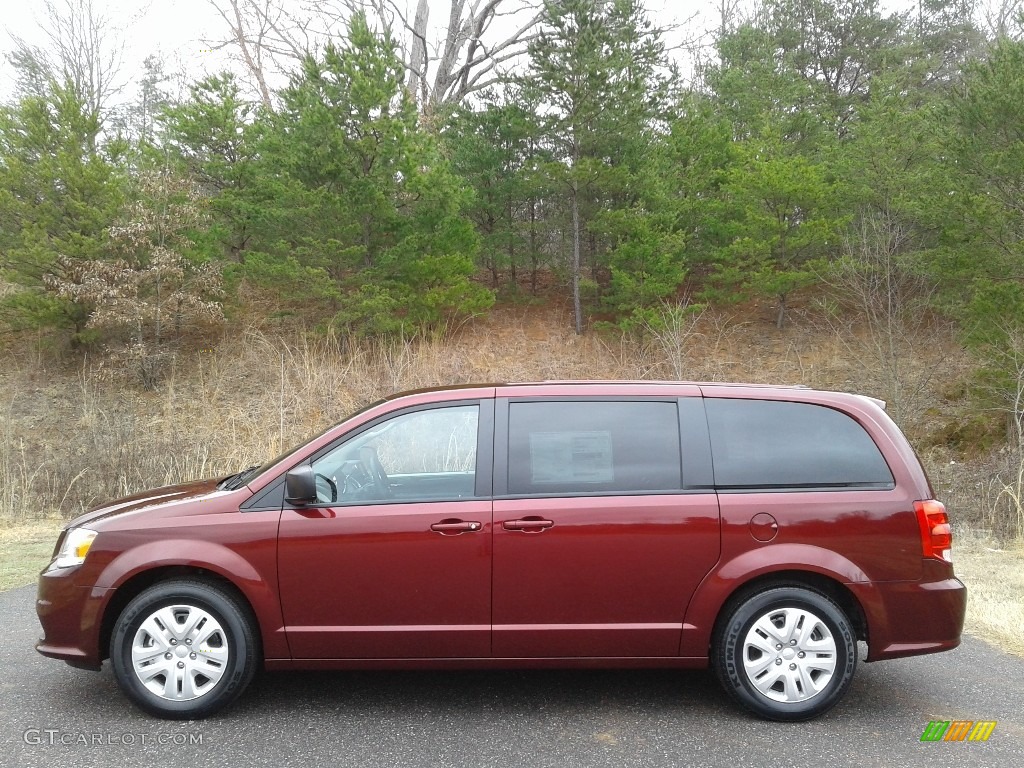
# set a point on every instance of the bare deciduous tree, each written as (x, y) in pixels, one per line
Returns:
(81, 47)
(446, 62)
(253, 38)
(895, 343)
(1002, 18)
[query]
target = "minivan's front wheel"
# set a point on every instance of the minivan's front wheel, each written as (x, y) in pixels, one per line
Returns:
(183, 649)
(787, 653)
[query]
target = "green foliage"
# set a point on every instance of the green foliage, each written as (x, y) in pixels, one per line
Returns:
(987, 143)
(214, 137)
(152, 283)
(347, 133)
(496, 150)
(984, 255)
(822, 129)
(340, 196)
(804, 66)
(381, 209)
(782, 215)
(277, 274)
(588, 55)
(754, 90)
(994, 329)
(676, 219)
(58, 193)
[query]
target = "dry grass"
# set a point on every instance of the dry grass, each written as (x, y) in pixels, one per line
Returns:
(984, 494)
(75, 438)
(25, 550)
(994, 577)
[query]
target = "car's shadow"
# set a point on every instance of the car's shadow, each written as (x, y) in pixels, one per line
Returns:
(493, 691)
(670, 694)
(459, 692)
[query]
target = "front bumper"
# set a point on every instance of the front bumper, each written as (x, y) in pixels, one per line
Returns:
(71, 619)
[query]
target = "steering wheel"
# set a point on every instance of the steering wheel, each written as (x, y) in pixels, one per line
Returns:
(368, 456)
(322, 480)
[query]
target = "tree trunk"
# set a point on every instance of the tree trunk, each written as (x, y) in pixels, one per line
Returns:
(513, 277)
(576, 307)
(159, 300)
(534, 261)
(780, 318)
(367, 239)
(417, 82)
(592, 252)
(1015, 428)
(252, 63)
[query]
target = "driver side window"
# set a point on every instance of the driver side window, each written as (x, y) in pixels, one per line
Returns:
(427, 455)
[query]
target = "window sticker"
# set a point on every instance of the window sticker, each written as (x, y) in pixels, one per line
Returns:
(560, 457)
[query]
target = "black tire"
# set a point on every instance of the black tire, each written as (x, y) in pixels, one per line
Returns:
(231, 649)
(789, 697)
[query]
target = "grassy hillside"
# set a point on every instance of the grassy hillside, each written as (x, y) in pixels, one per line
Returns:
(77, 431)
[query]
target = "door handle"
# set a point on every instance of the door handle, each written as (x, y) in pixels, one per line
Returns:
(450, 527)
(527, 524)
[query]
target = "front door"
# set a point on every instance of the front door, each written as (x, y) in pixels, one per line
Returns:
(395, 560)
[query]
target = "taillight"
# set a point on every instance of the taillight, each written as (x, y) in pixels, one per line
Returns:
(936, 535)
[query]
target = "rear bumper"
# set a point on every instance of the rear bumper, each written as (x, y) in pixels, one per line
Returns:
(70, 616)
(910, 618)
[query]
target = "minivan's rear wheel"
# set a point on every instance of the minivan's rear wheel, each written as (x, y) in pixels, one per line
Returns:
(183, 649)
(787, 653)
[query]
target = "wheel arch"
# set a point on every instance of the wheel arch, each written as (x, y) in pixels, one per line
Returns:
(143, 580)
(724, 587)
(830, 587)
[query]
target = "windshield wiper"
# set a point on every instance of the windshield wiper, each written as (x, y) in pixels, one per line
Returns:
(237, 480)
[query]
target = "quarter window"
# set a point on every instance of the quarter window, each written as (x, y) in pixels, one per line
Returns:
(774, 444)
(558, 447)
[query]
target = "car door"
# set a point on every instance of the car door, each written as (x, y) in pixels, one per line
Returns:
(395, 559)
(600, 538)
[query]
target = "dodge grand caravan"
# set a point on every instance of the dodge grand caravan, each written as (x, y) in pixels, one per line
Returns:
(760, 530)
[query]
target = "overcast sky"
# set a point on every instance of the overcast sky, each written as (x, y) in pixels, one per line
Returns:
(176, 30)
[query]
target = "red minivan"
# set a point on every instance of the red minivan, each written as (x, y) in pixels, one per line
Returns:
(760, 530)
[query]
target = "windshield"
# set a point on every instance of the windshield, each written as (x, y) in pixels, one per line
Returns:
(257, 471)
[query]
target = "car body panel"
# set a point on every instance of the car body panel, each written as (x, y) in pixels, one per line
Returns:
(375, 581)
(202, 534)
(611, 577)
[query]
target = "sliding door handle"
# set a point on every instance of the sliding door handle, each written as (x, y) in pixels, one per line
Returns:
(527, 524)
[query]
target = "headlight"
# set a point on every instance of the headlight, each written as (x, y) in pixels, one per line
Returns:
(74, 549)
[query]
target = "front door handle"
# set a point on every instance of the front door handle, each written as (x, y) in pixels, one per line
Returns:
(527, 524)
(455, 527)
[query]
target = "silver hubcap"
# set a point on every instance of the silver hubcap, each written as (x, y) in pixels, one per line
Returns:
(180, 652)
(789, 655)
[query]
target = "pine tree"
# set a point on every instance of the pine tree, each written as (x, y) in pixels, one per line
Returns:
(596, 73)
(58, 193)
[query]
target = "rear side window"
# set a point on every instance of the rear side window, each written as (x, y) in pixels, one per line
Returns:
(593, 447)
(770, 444)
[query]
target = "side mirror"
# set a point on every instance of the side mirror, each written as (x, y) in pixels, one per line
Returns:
(300, 485)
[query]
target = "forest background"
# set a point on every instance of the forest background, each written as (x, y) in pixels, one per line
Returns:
(197, 274)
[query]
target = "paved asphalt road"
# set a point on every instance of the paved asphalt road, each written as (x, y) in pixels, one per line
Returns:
(505, 719)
